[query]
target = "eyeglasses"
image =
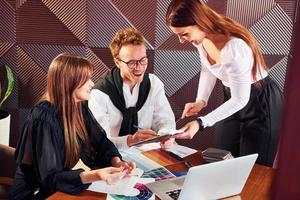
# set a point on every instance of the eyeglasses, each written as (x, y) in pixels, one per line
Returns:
(133, 63)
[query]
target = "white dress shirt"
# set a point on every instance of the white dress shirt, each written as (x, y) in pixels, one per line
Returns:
(235, 72)
(156, 113)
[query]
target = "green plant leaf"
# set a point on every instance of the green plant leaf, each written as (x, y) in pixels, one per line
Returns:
(10, 84)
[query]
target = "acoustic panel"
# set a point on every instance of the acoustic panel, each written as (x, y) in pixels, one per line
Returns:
(162, 32)
(4, 47)
(278, 72)
(289, 7)
(32, 80)
(44, 54)
(104, 20)
(275, 23)
(72, 14)
(99, 67)
(7, 22)
(247, 12)
(36, 24)
(19, 3)
(12, 3)
(141, 16)
(172, 68)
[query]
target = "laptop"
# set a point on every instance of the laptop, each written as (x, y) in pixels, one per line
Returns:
(209, 181)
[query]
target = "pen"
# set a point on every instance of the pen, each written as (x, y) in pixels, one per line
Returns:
(187, 163)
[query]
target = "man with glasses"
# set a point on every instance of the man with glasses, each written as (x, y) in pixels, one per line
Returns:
(129, 103)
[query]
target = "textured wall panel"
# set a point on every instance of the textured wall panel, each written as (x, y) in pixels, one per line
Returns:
(218, 6)
(187, 93)
(289, 7)
(7, 22)
(12, 3)
(105, 55)
(44, 54)
(141, 16)
(274, 32)
(36, 24)
(100, 67)
(19, 3)
(162, 31)
(172, 43)
(272, 60)
(247, 12)
(72, 13)
(103, 21)
(172, 68)
(32, 80)
(4, 47)
(278, 72)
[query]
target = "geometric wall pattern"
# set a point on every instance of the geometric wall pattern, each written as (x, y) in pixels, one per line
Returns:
(33, 32)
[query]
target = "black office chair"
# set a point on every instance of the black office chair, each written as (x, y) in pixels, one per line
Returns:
(7, 169)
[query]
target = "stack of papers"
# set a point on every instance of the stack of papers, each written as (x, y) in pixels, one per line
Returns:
(214, 154)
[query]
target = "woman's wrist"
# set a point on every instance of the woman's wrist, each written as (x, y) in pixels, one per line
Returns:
(115, 161)
(201, 102)
(201, 127)
(87, 177)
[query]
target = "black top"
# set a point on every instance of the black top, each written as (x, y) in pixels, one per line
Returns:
(40, 154)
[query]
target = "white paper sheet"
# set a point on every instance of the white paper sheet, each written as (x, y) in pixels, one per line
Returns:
(123, 187)
(182, 151)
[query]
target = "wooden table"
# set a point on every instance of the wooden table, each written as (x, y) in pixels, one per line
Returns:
(258, 185)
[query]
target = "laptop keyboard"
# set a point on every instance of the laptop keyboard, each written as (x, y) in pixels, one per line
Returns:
(174, 194)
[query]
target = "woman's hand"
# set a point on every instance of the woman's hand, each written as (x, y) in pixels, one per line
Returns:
(140, 135)
(99, 174)
(117, 162)
(191, 109)
(167, 144)
(190, 129)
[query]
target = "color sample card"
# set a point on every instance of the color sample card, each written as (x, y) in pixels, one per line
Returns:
(144, 194)
(142, 162)
(158, 174)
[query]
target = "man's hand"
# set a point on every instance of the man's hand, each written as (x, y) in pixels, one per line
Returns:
(140, 135)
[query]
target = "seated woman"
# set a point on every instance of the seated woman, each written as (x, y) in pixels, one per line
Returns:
(59, 131)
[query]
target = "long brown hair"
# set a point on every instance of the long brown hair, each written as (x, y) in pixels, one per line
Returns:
(183, 13)
(67, 73)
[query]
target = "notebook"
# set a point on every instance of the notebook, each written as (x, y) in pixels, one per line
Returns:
(209, 181)
(214, 154)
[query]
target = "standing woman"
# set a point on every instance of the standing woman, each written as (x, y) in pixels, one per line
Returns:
(60, 130)
(249, 118)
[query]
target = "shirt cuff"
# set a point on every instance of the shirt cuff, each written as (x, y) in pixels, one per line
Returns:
(204, 123)
(120, 142)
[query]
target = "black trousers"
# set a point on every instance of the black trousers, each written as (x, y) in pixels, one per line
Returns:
(253, 129)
